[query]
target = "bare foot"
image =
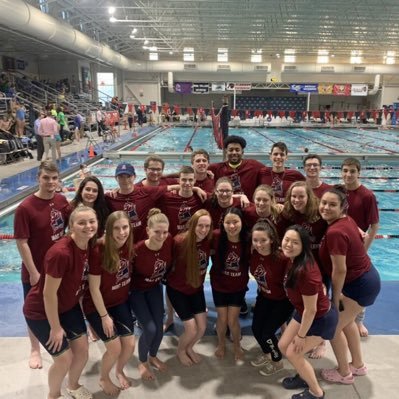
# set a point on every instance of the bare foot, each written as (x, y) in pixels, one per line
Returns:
(185, 360)
(35, 360)
(123, 380)
(318, 352)
(219, 352)
(158, 364)
(109, 387)
(238, 353)
(362, 329)
(145, 371)
(194, 356)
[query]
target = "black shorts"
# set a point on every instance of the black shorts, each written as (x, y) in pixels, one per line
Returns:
(123, 322)
(26, 288)
(365, 289)
(324, 326)
(187, 306)
(71, 321)
(225, 299)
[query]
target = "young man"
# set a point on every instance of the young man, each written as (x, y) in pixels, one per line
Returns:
(39, 222)
(363, 210)
(153, 168)
(180, 206)
(243, 173)
(278, 177)
(200, 164)
(312, 166)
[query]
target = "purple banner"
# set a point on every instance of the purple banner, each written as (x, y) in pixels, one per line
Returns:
(183, 87)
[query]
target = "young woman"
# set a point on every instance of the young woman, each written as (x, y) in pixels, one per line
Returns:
(272, 308)
(52, 308)
(107, 307)
(263, 208)
(355, 282)
(229, 278)
(153, 258)
(185, 283)
(314, 318)
(91, 193)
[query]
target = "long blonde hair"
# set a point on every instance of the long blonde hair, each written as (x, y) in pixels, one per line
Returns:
(273, 204)
(72, 217)
(190, 251)
(111, 260)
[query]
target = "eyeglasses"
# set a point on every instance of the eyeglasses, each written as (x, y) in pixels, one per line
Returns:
(227, 192)
(158, 170)
(310, 165)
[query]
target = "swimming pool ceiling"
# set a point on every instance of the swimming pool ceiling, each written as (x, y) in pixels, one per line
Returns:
(247, 27)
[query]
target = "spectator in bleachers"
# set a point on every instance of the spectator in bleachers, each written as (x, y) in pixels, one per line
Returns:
(39, 138)
(61, 121)
(20, 115)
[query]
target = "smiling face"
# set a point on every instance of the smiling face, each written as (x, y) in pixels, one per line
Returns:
(203, 227)
(299, 199)
(154, 172)
(48, 182)
(83, 225)
(263, 203)
(312, 168)
(234, 153)
(121, 231)
(330, 207)
(200, 163)
(350, 175)
(158, 233)
(232, 225)
(224, 194)
(89, 193)
(278, 158)
(291, 244)
(186, 182)
(262, 242)
(125, 182)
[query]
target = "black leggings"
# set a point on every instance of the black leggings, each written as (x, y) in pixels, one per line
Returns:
(268, 316)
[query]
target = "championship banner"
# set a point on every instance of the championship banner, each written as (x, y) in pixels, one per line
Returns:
(325, 88)
(219, 86)
(342, 90)
(239, 86)
(200, 88)
(304, 88)
(183, 87)
(359, 90)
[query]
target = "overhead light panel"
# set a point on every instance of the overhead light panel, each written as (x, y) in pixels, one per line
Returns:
(289, 55)
(223, 55)
(188, 54)
(322, 56)
(153, 56)
(390, 57)
(112, 19)
(111, 10)
(356, 57)
(134, 31)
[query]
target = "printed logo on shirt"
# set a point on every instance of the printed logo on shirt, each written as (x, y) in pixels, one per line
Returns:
(277, 186)
(123, 275)
(130, 209)
(232, 261)
(183, 216)
(309, 229)
(236, 183)
(57, 224)
(202, 261)
(260, 277)
(84, 278)
(159, 271)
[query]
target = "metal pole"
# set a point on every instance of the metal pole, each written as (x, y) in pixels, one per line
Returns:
(308, 102)
(234, 98)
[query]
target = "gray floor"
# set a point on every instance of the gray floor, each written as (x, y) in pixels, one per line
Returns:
(210, 379)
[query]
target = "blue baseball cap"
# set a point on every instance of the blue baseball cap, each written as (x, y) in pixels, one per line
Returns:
(125, 169)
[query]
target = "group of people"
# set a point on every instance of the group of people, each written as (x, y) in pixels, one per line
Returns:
(303, 241)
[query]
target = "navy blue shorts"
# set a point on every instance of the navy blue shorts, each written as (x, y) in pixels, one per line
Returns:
(224, 299)
(324, 326)
(123, 322)
(71, 321)
(365, 289)
(187, 306)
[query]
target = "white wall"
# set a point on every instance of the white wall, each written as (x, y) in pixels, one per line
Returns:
(143, 93)
(389, 95)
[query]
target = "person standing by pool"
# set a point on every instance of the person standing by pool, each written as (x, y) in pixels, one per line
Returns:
(355, 282)
(39, 222)
(312, 165)
(52, 307)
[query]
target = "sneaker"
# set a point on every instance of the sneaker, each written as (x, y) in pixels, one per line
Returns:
(261, 360)
(358, 372)
(295, 382)
(271, 368)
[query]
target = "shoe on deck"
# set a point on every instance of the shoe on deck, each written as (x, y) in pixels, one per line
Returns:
(306, 394)
(261, 360)
(271, 368)
(358, 372)
(295, 382)
(332, 375)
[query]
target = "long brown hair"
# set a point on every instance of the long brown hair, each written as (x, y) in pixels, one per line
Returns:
(111, 260)
(190, 251)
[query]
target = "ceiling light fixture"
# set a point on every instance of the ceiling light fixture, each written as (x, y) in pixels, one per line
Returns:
(112, 19)
(111, 10)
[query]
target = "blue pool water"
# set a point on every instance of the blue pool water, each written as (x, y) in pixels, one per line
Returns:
(384, 252)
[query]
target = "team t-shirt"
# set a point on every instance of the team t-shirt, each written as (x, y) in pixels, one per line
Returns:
(217, 212)
(42, 222)
(319, 191)
(206, 184)
(343, 238)
(251, 217)
(65, 261)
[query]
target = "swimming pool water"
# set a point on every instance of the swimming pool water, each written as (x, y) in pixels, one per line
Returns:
(384, 252)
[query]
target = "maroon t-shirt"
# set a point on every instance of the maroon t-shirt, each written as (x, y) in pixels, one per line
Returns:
(42, 222)
(66, 261)
(232, 276)
(269, 272)
(280, 182)
(163, 181)
(217, 212)
(207, 184)
(362, 207)
(244, 178)
(114, 287)
(309, 282)
(343, 238)
(136, 205)
(251, 217)
(150, 267)
(319, 191)
(179, 210)
(177, 277)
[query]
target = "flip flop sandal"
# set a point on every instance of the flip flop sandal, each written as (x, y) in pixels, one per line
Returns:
(332, 375)
(294, 382)
(306, 395)
(80, 393)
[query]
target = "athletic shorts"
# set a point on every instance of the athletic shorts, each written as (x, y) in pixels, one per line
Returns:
(187, 306)
(71, 321)
(225, 299)
(323, 326)
(26, 288)
(365, 289)
(123, 322)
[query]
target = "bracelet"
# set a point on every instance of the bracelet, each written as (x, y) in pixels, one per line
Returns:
(106, 314)
(300, 336)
